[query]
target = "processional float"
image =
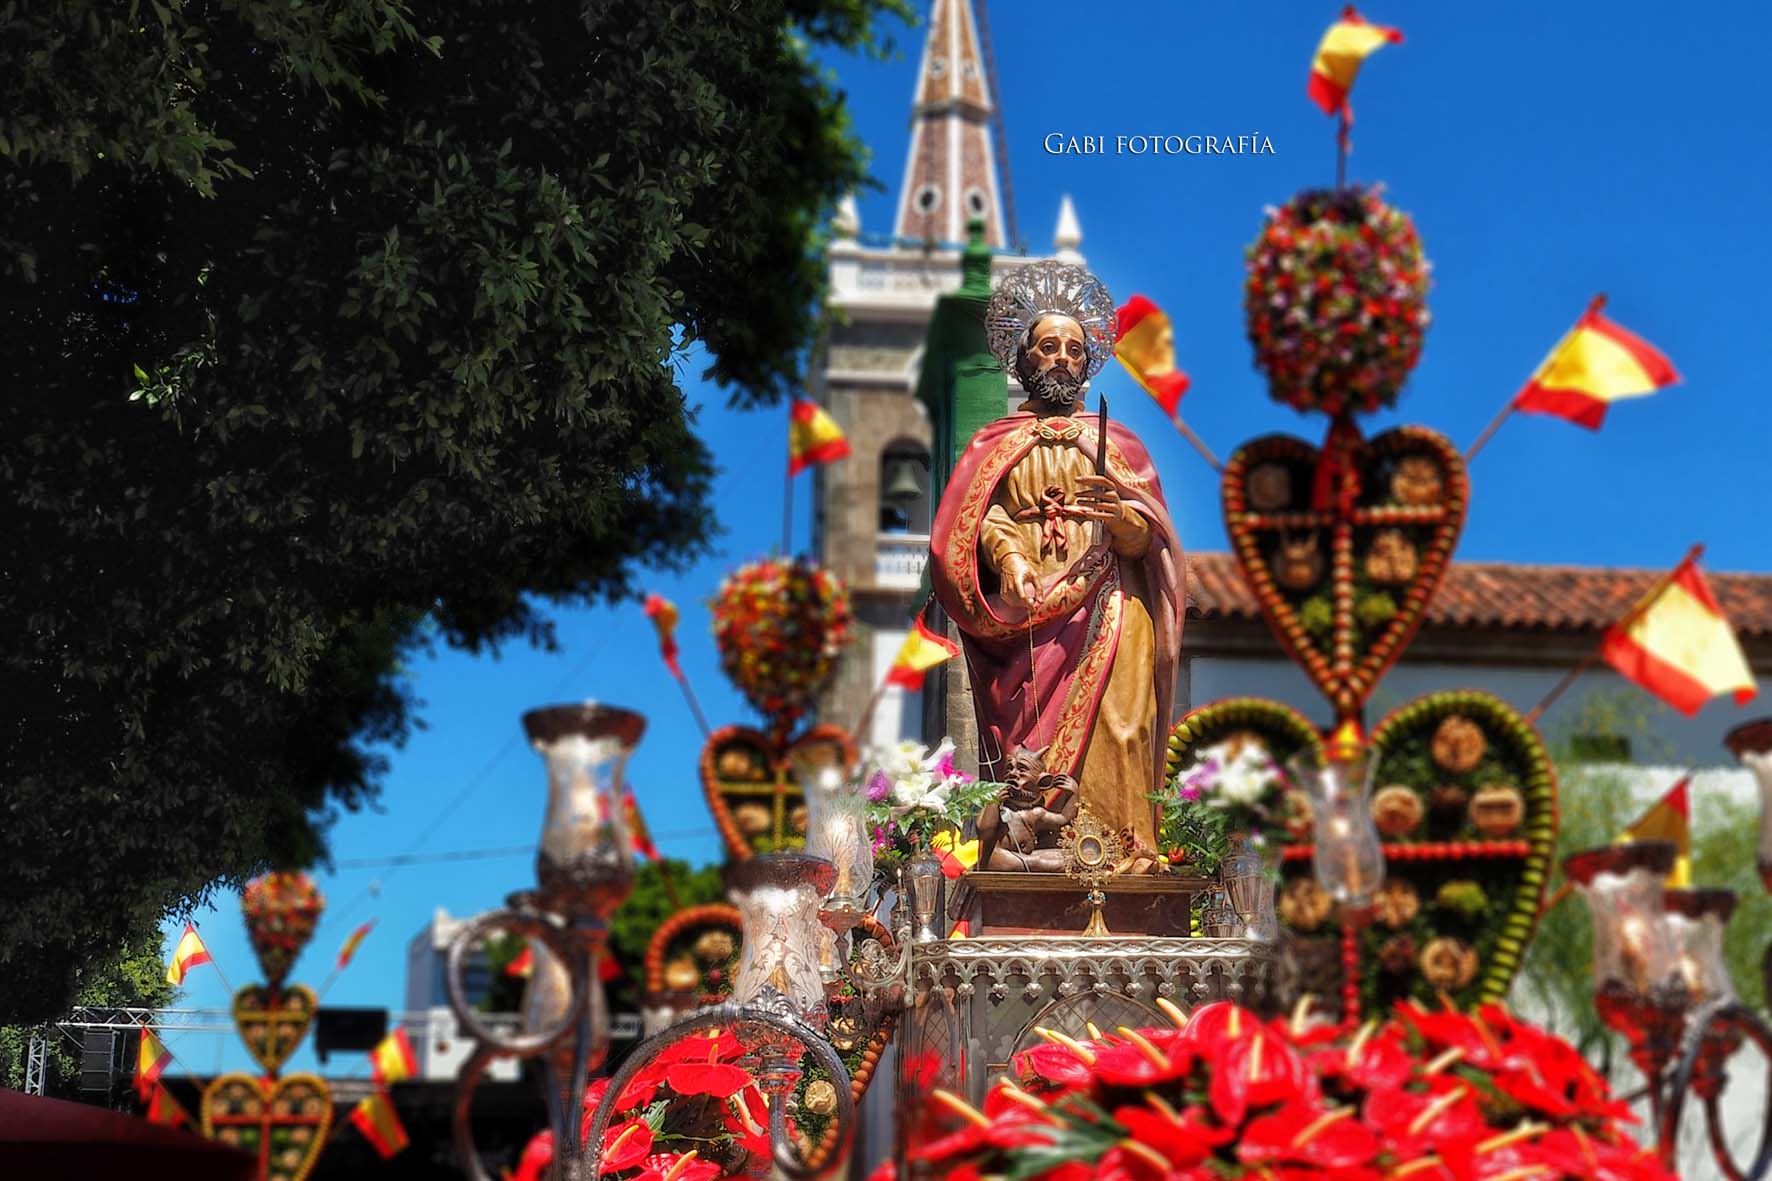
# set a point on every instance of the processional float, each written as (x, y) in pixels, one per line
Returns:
(1340, 873)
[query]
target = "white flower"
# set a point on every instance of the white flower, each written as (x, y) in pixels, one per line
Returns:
(928, 796)
(1246, 779)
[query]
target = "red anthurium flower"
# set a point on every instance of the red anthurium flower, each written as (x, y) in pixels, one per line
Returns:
(637, 1093)
(1376, 1063)
(707, 1078)
(1183, 1138)
(1056, 1066)
(538, 1154)
(1414, 1124)
(1212, 1024)
(1141, 1065)
(669, 1166)
(1012, 1126)
(1577, 1154)
(720, 1046)
(1302, 1133)
(1070, 1170)
(1256, 1071)
(625, 1146)
(1482, 1046)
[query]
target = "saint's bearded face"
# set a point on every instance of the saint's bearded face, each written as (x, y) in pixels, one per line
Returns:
(1052, 360)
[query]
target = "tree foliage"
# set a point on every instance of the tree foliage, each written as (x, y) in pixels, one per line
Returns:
(1597, 802)
(133, 978)
(330, 324)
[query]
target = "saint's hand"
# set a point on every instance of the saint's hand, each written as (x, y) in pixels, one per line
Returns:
(1096, 499)
(1021, 586)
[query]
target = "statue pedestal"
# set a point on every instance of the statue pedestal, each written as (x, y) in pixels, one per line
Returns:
(1052, 904)
(972, 1004)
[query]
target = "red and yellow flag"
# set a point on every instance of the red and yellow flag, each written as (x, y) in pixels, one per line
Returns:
(663, 614)
(393, 1059)
(1679, 645)
(1146, 347)
(813, 437)
(187, 955)
(1670, 819)
(1347, 44)
(921, 651)
(637, 831)
(1596, 364)
(375, 1117)
(351, 943)
(151, 1060)
(163, 1109)
(523, 964)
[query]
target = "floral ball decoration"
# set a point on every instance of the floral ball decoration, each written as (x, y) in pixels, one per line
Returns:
(281, 911)
(1336, 300)
(780, 626)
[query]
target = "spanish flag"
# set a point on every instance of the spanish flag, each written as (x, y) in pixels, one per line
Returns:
(187, 955)
(921, 651)
(1679, 645)
(1348, 43)
(151, 1060)
(637, 832)
(375, 1117)
(663, 614)
(1146, 347)
(956, 857)
(393, 1059)
(1597, 364)
(351, 943)
(813, 437)
(166, 1111)
(1669, 820)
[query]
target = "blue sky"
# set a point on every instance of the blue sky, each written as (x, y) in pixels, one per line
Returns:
(1547, 152)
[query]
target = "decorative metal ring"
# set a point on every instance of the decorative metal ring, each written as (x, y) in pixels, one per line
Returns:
(531, 924)
(730, 1016)
(1715, 1024)
(467, 1081)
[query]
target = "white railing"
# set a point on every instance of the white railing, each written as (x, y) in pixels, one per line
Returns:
(899, 558)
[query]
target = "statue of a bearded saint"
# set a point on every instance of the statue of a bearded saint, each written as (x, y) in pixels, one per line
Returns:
(1065, 576)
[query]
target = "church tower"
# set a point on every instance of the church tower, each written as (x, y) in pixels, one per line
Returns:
(872, 511)
(951, 170)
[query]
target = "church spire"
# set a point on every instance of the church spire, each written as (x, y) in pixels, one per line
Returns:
(951, 172)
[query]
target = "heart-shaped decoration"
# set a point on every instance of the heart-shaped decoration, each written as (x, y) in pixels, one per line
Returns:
(1343, 548)
(1465, 800)
(283, 1122)
(272, 1022)
(697, 950)
(751, 791)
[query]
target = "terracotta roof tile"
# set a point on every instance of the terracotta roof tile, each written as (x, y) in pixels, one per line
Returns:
(1485, 595)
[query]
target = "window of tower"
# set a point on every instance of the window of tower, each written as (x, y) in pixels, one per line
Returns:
(928, 199)
(904, 487)
(975, 202)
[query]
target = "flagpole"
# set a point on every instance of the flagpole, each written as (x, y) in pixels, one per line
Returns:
(701, 719)
(1187, 432)
(787, 498)
(867, 713)
(1341, 147)
(1494, 425)
(1592, 658)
